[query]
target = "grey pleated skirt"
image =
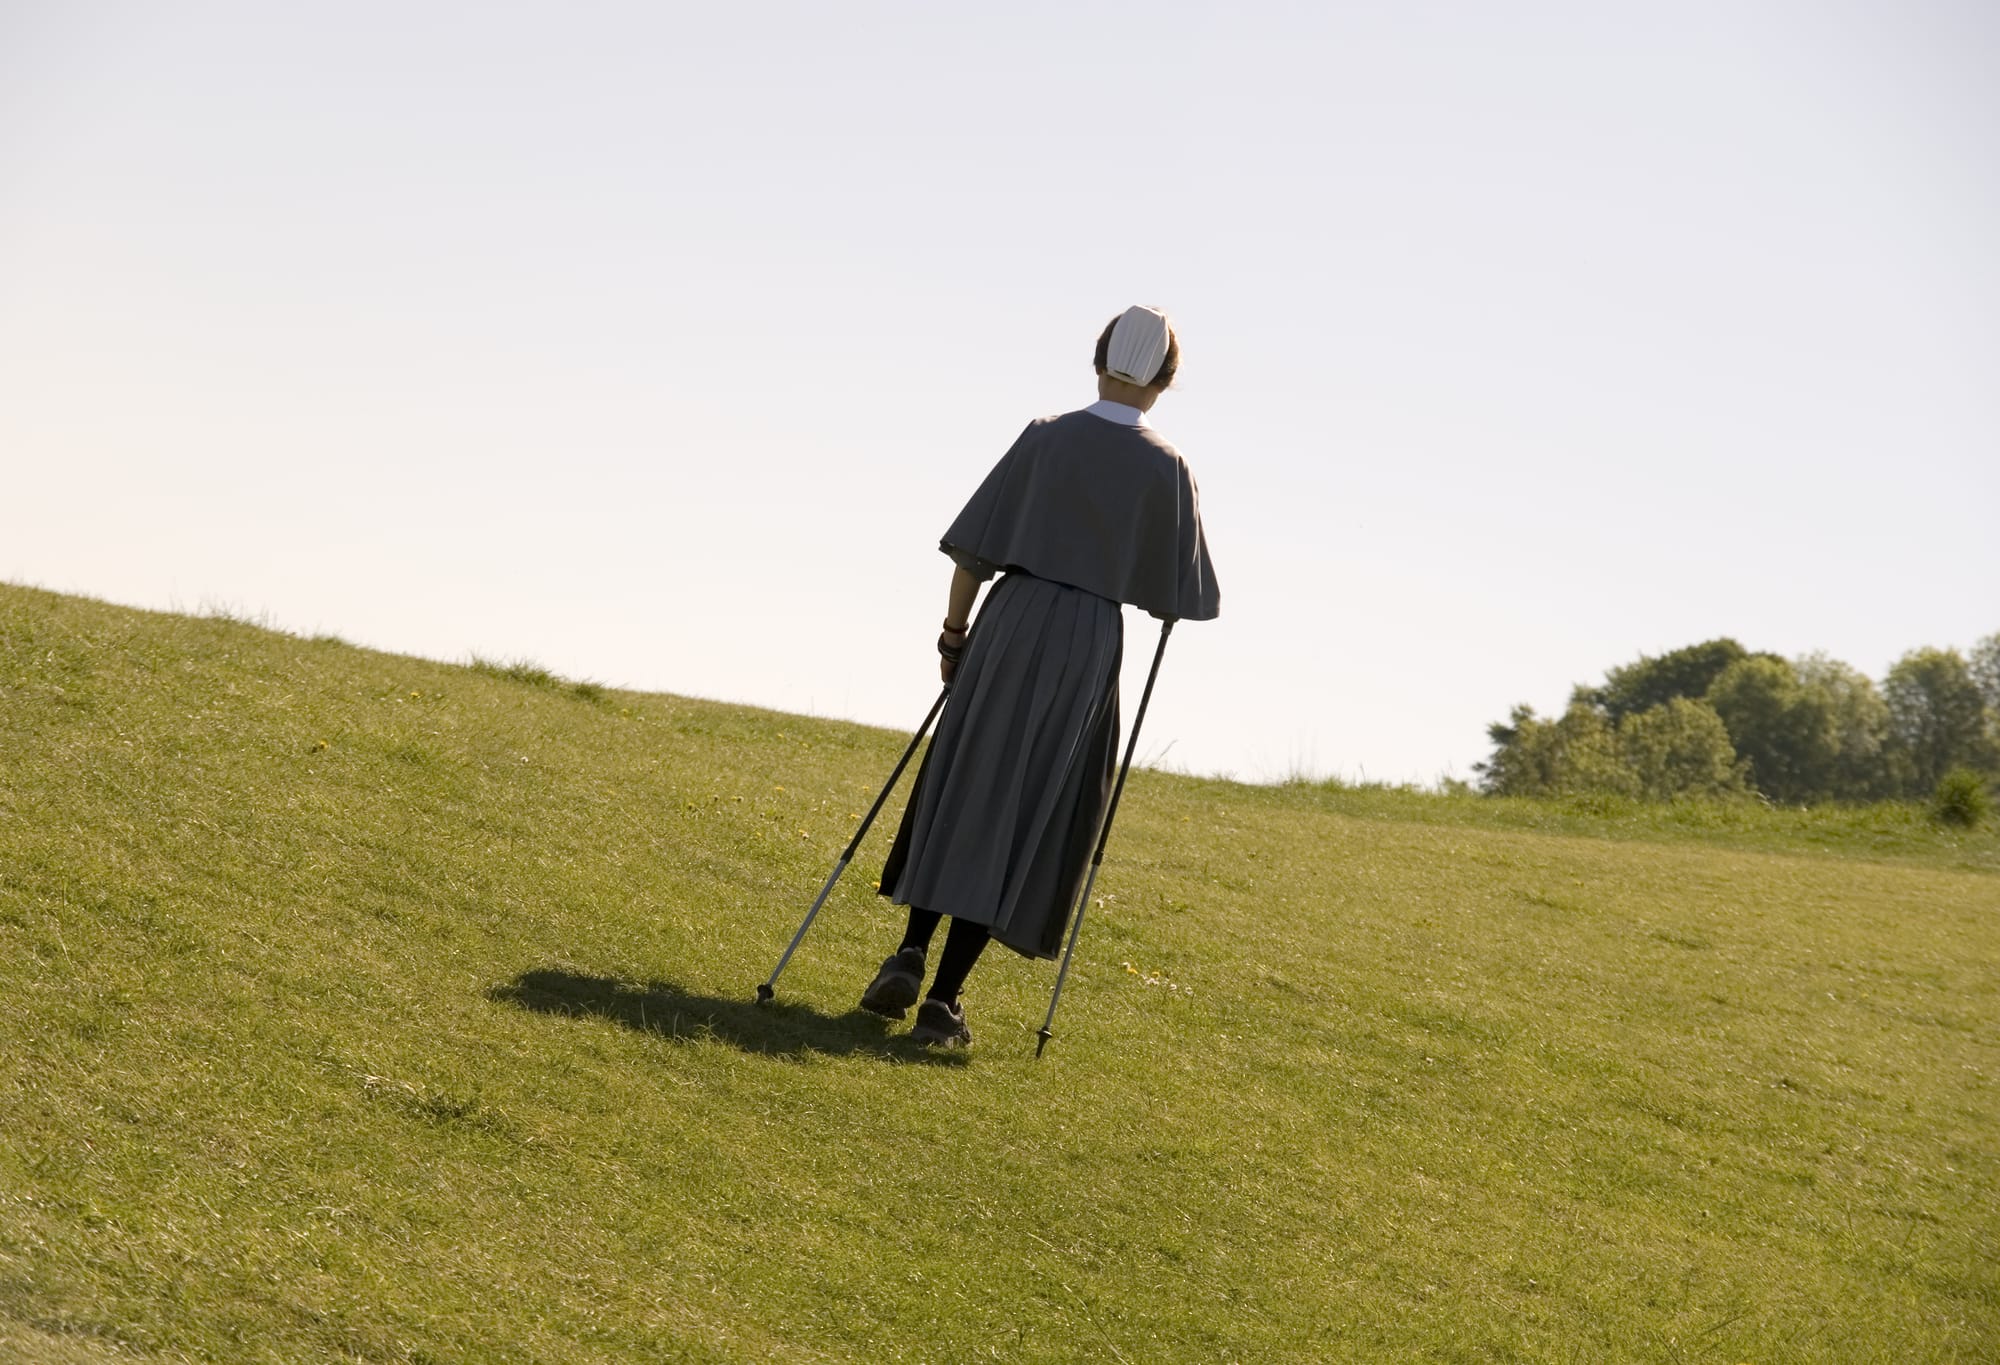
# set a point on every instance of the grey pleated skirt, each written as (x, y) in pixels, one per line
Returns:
(1000, 825)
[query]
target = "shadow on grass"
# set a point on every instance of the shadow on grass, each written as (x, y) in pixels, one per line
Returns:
(660, 1007)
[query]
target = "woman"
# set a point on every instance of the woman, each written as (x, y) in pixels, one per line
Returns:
(1087, 511)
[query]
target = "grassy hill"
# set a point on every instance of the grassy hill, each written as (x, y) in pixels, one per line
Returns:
(364, 1008)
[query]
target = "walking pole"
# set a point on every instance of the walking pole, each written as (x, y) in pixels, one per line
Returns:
(1047, 1031)
(770, 987)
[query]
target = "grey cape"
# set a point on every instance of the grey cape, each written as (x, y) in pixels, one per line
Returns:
(1082, 514)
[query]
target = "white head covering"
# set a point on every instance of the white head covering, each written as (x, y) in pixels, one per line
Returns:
(1138, 345)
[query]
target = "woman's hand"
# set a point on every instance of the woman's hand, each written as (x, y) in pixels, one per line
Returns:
(951, 646)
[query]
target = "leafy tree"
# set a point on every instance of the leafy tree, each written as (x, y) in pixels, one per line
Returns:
(1535, 757)
(1937, 719)
(1523, 760)
(1783, 729)
(1592, 760)
(1811, 730)
(1680, 748)
(1650, 682)
(1859, 723)
(1985, 664)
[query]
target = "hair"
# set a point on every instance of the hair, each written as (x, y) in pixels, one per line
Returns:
(1167, 367)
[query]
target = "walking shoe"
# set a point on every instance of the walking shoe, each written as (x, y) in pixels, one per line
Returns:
(941, 1023)
(894, 988)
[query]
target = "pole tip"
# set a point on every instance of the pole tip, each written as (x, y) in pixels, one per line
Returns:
(764, 992)
(1042, 1037)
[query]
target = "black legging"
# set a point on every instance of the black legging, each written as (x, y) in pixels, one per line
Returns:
(962, 947)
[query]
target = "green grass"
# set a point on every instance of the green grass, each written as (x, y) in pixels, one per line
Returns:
(364, 1008)
(1902, 831)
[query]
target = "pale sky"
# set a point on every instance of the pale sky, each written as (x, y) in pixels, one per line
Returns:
(659, 343)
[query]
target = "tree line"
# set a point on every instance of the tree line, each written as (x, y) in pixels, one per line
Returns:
(1715, 719)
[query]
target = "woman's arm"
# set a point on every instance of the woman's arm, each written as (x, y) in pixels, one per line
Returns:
(957, 612)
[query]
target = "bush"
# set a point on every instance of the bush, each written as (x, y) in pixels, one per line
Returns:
(1960, 799)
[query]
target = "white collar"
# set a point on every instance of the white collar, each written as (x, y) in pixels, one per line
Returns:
(1124, 414)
